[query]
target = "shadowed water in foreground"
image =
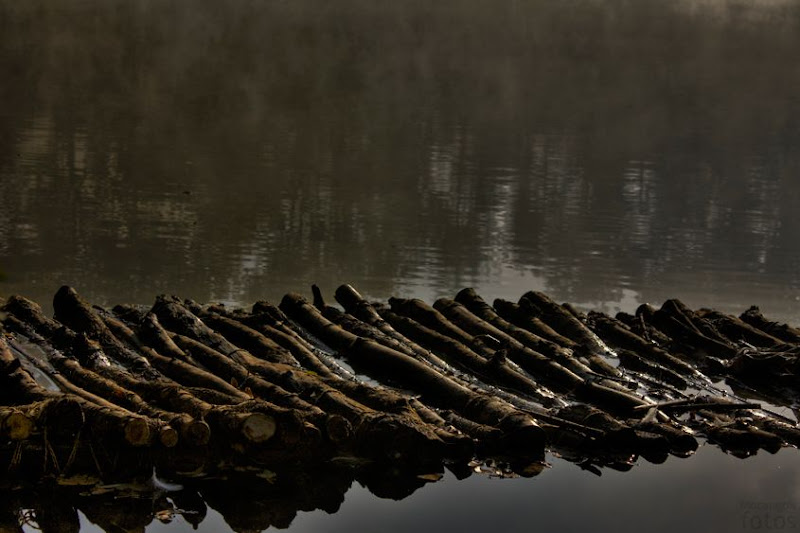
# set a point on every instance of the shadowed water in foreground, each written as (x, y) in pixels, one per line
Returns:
(609, 153)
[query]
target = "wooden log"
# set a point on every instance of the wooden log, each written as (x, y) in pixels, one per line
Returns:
(252, 426)
(563, 321)
(550, 349)
(618, 334)
(15, 424)
(515, 314)
(672, 321)
(493, 371)
(84, 382)
(784, 332)
(250, 339)
(367, 424)
(631, 360)
(550, 372)
(75, 313)
(683, 314)
(737, 330)
(426, 315)
(182, 370)
(438, 389)
(19, 385)
(606, 394)
(153, 334)
(643, 328)
(336, 427)
(301, 349)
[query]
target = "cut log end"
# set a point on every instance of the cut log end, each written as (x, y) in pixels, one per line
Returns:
(338, 429)
(18, 426)
(168, 437)
(197, 433)
(137, 432)
(258, 427)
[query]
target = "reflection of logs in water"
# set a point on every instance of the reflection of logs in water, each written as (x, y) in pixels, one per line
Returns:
(185, 388)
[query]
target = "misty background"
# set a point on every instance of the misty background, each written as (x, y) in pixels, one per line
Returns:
(609, 152)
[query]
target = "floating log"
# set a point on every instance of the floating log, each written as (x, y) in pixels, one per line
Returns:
(784, 332)
(92, 388)
(437, 388)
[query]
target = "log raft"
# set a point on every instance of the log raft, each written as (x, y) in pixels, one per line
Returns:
(398, 383)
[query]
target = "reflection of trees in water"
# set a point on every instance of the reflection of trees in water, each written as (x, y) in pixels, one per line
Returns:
(228, 150)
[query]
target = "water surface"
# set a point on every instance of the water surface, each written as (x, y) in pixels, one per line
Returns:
(609, 153)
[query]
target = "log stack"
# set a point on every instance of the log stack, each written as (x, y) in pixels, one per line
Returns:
(190, 388)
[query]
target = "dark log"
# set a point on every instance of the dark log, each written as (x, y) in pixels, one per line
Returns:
(182, 370)
(631, 360)
(550, 349)
(515, 314)
(154, 335)
(19, 385)
(252, 426)
(82, 381)
(618, 334)
(438, 389)
(357, 306)
(736, 330)
(784, 332)
(673, 322)
(367, 423)
(493, 371)
(563, 321)
(606, 394)
(301, 349)
(426, 315)
(248, 338)
(75, 313)
(15, 424)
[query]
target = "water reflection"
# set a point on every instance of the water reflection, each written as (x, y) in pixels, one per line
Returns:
(237, 152)
(563, 498)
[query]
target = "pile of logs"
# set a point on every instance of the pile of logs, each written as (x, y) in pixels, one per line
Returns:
(188, 388)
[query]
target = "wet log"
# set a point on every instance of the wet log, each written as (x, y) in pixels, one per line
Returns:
(93, 387)
(784, 332)
(680, 324)
(182, 370)
(75, 313)
(367, 424)
(250, 339)
(438, 389)
(335, 427)
(224, 420)
(549, 371)
(738, 331)
(632, 361)
(15, 424)
(520, 317)
(300, 349)
(550, 349)
(494, 370)
(426, 315)
(19, 385)
(357, 306)
(606, 394)
(539, 304)
(618, 334)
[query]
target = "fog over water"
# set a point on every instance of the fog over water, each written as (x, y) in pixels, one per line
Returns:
(607, 152)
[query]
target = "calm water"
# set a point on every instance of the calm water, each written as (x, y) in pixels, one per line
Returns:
(607, 152)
